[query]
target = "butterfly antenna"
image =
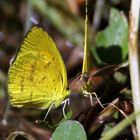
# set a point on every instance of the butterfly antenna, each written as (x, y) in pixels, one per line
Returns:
(48, 111)
(65, 103)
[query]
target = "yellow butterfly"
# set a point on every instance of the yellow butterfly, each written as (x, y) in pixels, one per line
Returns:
(37, 76)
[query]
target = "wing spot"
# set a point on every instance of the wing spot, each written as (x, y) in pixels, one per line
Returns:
(45, 67)
(31, 96)
(43, 78)
(43, 55)
(22, 84)
(49, 63)
(33, 68)
(31, 78)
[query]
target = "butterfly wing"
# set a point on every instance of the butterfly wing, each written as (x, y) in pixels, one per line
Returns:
(37, 76)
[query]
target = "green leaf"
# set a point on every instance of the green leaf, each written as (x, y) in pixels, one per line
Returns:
(112, 43)
(69, 130)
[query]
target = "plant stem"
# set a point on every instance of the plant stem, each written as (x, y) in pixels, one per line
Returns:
(85, 59)
(120, 127)
(134, 57)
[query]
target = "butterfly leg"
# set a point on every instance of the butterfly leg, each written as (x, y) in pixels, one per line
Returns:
(65, 102)
(48, 111)
(90, 96)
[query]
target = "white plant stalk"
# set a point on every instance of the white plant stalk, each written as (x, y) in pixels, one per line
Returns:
(134, 57)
